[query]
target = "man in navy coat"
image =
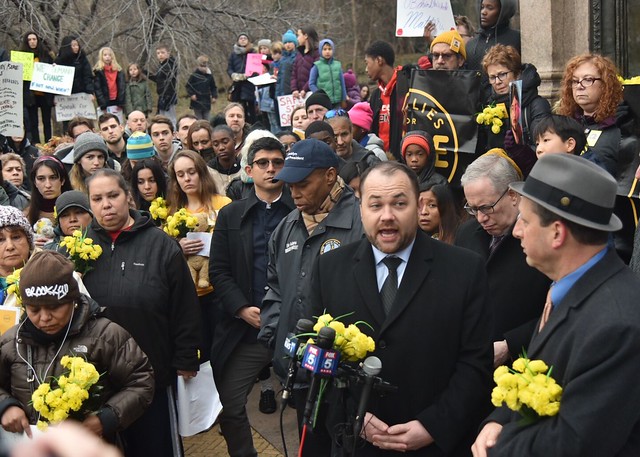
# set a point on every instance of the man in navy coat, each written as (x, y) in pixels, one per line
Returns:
(590, 329)
(433, 337)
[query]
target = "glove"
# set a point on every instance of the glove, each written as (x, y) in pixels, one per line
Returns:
(235, 77)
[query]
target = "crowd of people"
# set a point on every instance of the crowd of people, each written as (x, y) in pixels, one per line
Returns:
(341, 211)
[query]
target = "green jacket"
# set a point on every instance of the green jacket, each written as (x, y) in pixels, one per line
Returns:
(138, 97)
(330, 78)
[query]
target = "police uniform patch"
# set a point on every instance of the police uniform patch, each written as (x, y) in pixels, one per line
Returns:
(329, 245)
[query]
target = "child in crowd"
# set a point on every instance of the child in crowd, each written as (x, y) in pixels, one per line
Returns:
(439, 216)
(420, 155)
(353, 88)
(556, 134)
(299, 120)
(137, 92)
(326, 74)
(109, 83)
(267, 92)
(166, 79)
(202, 89)
(285, 64)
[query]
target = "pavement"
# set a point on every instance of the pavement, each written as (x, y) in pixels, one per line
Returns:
(266, 433)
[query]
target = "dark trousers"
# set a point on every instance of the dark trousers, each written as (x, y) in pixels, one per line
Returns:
(150, 435)
(234, 384)
(209, 313)
(45, 108)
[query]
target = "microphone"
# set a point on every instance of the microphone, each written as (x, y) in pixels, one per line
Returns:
(291, 346)
(321, 361)
(371, 367)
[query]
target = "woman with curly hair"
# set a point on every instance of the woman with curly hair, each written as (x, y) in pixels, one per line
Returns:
(591, 93)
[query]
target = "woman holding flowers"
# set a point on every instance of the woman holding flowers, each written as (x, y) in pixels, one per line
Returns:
(191, 187)
(503, 65)
(16, 245)
(143, 281)
(66, 360)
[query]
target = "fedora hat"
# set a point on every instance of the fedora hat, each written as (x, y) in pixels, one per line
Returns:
(574, 189)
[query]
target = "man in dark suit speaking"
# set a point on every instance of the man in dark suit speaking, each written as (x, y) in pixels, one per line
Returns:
(432, 326)
(590, 328)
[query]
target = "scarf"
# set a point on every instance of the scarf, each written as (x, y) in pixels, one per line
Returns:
(311, 221)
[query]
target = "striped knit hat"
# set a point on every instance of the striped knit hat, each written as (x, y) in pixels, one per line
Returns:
(140, 146)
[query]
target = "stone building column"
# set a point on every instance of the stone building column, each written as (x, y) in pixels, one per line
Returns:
(553, 31)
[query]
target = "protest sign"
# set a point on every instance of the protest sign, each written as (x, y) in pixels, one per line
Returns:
(444, 104)
(413, 15)
(254, 64)
(11, 108)
(286, 105)
(54, 79)
(69, 106)
(26, 59)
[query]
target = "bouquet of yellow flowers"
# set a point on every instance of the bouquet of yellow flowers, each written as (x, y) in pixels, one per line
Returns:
(492, 115)
(527, 388)
(81, 250)
(629, 81)
(352, 344)
(55, 404)
(13, 285)
(180, 223)
(158, 209)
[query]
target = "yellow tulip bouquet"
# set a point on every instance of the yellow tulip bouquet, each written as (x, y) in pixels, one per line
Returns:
(158, 209)
(82, 252)
(352, 344)
(180, 223)
(492, 115)
(66, 396)
(527, 388)
(13, 285)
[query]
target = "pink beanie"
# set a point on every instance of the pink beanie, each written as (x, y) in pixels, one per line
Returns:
(361, 115)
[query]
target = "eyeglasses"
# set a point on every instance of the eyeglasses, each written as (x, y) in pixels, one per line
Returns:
(500, 76)
(444, 56)
(264, 163)
(484, 209)
(584, 82)
(335, 113)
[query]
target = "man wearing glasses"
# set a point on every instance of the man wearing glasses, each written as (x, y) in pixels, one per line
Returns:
(238, 271)
(448, 51)
(516, 291)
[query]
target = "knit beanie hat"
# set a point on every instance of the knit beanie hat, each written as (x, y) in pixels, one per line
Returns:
(350, 79)
(290, 37)
(264, 42)
(72, 198)
(361, 115)
(13, 217)
(87, 142)
(319, 97)
(243, 34)
(417, 137)
(47, 279)
(140, 146)
(454, 40)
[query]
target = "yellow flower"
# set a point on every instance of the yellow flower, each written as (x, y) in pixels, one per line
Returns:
(495, 129)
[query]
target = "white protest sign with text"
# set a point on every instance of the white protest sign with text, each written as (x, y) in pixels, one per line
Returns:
(54, 79)
(413, 15)
(286, 105)
(70, 106)
(11, 108)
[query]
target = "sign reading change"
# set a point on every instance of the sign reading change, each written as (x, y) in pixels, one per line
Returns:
(54, 79)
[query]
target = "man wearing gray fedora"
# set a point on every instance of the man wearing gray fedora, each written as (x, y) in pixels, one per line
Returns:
(590, 330)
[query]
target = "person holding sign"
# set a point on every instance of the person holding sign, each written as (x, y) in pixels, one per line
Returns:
(72, 55)
(242, 91)
(35, 100)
